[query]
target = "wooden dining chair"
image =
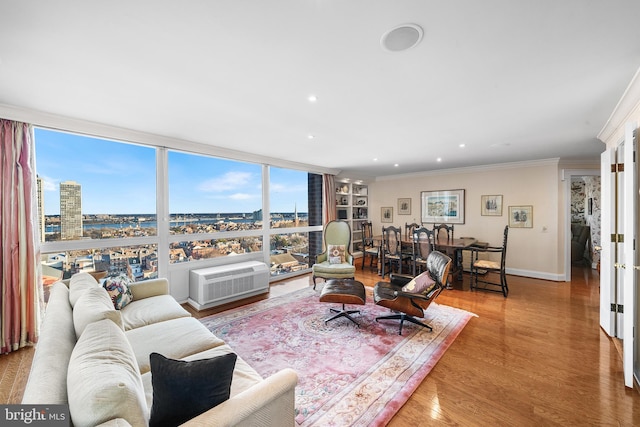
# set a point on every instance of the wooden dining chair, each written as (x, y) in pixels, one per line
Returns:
(369, 247)
(408, 249)
(391, 252)
(442, 231)
(423, 245)
(487, 265)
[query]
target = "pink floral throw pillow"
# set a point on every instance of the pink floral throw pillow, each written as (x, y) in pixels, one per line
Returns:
(118, 289)
(421, 284)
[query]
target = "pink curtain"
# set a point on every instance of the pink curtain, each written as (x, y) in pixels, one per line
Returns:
(328, 197)
(19, 247)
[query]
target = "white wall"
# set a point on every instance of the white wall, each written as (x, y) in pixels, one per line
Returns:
(533, 252)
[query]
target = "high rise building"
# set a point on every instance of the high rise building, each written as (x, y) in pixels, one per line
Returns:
(70, 210)
(40, 186)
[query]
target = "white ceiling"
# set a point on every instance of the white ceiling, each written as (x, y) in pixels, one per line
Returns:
(512, 79)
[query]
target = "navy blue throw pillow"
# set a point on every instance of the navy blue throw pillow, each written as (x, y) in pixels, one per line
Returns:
(183, 390)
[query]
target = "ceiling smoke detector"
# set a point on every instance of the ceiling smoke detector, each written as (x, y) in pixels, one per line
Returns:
(401, 38)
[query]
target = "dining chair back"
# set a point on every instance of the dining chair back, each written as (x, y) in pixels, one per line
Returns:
(369, 247)
(443, 231)
(391, 253)
(488, 266)
(423, 245)
(409, 229)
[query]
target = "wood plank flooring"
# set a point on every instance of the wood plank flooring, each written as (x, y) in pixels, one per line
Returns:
(536, 358)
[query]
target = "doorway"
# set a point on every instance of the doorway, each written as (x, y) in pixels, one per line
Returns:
(582, 219)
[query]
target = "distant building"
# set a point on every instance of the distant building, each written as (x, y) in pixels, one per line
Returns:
(70, 210)
(40, 186)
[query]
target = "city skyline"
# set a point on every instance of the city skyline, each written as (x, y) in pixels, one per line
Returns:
(116, 178)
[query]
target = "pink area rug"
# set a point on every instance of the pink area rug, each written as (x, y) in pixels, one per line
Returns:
(347, 376)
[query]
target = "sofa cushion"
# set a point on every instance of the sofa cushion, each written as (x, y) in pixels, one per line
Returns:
(142, 312)
(118, 289)
(94, 304)
(103, 382)
(185, 389)
(79, 283)
(176, 338)
(48, 378)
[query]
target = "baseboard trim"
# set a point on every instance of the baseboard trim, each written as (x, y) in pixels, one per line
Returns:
(536, 274)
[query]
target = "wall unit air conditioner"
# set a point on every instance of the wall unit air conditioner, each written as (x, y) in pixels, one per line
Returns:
(213, 286)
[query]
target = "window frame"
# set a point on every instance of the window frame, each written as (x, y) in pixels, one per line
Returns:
(162, 238)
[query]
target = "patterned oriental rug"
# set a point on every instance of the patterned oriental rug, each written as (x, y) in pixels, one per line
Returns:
(347, 376)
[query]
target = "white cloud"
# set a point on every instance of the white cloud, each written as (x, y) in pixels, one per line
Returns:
(242, 196)
(49, 184)
(226, 182)
(275, 187)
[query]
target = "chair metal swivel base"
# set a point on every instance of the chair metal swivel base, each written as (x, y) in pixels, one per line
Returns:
(343, 313)
(403, 317)
(343, 292)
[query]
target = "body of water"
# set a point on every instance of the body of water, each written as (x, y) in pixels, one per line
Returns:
(55, 228)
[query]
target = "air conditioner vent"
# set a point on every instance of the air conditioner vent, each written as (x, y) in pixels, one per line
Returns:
(209, 287)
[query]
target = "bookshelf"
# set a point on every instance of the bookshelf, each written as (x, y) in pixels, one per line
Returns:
(352, 206)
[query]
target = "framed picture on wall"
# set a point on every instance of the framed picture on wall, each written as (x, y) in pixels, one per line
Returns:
(446, 206)
(521, 216)
(491, 205)
(404, 206)
(386, 214)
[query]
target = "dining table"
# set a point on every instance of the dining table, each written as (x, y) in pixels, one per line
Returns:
(451, 247)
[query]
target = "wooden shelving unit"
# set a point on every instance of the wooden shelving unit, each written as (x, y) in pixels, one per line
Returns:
(352, 206)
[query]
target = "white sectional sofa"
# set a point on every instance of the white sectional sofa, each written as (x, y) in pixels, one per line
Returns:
(96, 360)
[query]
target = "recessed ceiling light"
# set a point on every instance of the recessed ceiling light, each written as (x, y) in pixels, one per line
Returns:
(312, 98)
(462, 145)
(401, 38)
(310, 136)
(375, 160)
(439, 159)
(396, 165)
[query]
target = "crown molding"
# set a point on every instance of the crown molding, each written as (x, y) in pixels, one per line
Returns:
(474, 169)
(628, 103)
(69, 124)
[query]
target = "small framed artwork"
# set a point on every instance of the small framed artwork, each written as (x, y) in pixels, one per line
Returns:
(404, 206)
(521, 216)
(442, 206)
(386, 214)
(491, 205)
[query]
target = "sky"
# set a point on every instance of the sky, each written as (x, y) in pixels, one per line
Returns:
(119, 178)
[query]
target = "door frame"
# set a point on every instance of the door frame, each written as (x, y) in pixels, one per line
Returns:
(567, 174)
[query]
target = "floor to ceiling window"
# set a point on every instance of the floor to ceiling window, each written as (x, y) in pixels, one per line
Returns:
(98, 201)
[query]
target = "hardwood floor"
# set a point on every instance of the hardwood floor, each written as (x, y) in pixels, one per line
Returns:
(536, 358)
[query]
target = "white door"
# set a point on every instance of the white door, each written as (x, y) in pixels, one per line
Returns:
(629, 261)
(607, 253)
(619, 238)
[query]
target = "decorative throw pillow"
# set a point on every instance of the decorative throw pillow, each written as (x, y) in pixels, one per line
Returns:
(421, 284)
(336, 254)
(183, 390)
(118, 289)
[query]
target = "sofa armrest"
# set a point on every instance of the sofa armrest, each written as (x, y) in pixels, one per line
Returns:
(270, 402)
(149, 288)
